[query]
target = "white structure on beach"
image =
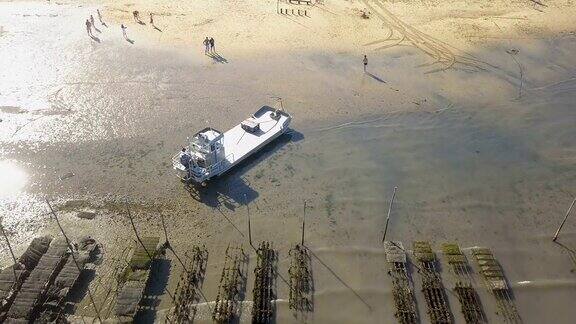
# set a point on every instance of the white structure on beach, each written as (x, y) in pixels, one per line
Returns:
(211, 153)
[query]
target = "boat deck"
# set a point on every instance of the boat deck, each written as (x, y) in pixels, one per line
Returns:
(239, 143)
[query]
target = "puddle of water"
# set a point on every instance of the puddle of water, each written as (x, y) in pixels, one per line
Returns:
(13, 178)
(12, 110)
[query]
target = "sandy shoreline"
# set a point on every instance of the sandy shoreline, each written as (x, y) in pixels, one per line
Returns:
(483, 154)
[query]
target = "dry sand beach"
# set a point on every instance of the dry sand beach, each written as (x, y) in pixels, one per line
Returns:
(467, 107)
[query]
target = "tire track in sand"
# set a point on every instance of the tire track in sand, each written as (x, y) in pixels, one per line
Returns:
(402, 34)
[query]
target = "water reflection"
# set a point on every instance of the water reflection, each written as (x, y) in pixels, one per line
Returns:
(12, 178)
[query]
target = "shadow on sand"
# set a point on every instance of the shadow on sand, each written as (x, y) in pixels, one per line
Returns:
(375, 77)
(341, 280)
(94, 38)
(217, 57)
(157, 284)
(80, 288)
(232, 190)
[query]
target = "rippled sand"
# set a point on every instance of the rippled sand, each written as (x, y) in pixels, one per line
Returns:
(479, 140)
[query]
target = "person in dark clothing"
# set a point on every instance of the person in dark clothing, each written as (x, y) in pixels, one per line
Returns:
(93, 23)
(185, 158)
(206, 45)
(365, 62)
(88, 27)
(212, 45)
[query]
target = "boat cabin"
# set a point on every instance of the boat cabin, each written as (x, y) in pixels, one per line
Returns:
(206, 148)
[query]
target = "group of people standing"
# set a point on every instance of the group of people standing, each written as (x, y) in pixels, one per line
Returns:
(209, 46)
(90, 23)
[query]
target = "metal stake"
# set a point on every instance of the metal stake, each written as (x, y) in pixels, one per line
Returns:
(249, 227)
(136, 232)
(165, 231)
(169, 246)
(564, 221)
(303, 222)
(11, 252)
(388, 216)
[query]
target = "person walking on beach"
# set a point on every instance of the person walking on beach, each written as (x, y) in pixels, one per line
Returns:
(365, 62)
(100, 17)
(206, 45)
(135, 13)
(123, 30)
(212, 46)
(93, 24)
(88, 27)
(151, 20)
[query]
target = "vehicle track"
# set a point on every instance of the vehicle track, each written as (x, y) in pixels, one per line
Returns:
(406, 35)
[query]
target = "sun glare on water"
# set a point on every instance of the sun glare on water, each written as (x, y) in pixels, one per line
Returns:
(12, 178)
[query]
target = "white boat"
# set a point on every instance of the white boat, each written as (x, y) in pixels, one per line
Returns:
(211, 153)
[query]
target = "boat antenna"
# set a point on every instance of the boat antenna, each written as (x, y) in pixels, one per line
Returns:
(278, 99)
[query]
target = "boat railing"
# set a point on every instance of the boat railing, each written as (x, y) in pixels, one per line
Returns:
(176, 158)
(218, 166)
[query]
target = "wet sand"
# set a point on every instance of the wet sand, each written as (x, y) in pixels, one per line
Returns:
(92, 126)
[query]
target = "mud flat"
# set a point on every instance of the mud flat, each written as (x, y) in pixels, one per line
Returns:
(466, 106)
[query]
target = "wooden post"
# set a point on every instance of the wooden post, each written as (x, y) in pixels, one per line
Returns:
(303, 223)
(136, 232)
(74, 258)
(169, 246)
(249, 227)
(564, 221)
(11, 252)
(165, 231)
(388, 216)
